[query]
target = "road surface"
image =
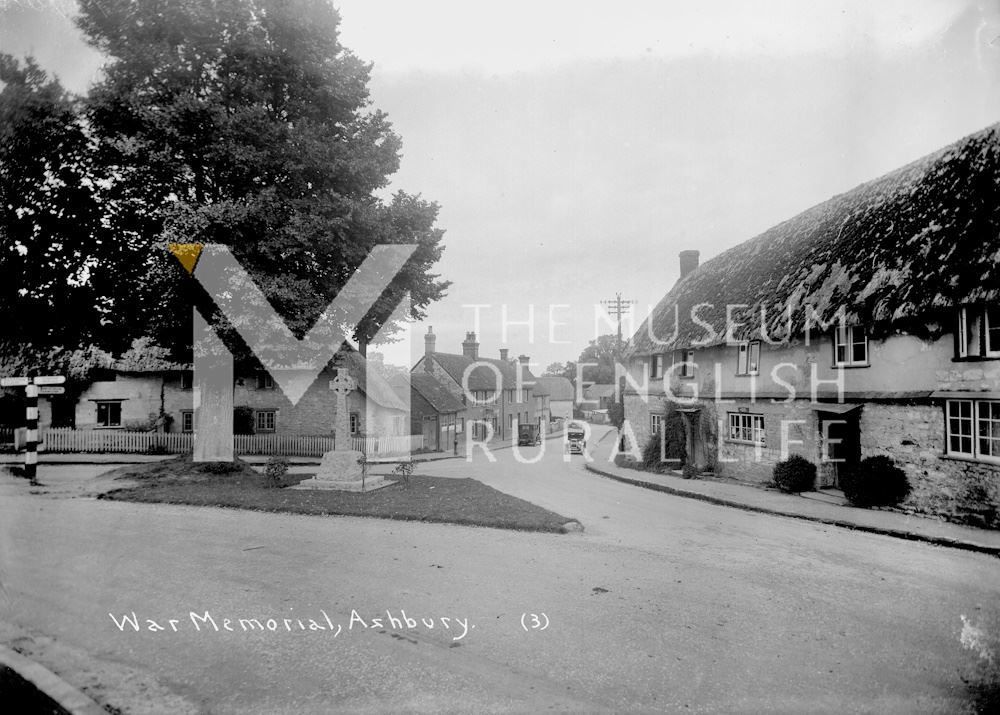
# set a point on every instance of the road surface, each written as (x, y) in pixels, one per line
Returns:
(662, 604)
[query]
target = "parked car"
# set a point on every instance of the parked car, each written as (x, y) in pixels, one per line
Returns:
(528, 435)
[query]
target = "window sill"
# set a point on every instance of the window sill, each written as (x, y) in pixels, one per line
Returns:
(745, 444)
(976, 358)
(747, 374)
(850, 366)
(973, 460)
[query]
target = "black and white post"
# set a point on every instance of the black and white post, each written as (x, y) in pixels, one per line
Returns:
(31, 433)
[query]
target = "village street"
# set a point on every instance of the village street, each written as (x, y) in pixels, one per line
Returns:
(661, 604)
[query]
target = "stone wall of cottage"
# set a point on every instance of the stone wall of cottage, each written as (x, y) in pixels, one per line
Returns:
(914, 436)
(789, 428)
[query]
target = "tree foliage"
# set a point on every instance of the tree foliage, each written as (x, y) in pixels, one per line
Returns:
(240, 122)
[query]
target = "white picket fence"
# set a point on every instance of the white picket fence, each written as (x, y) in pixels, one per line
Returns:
(287, 445)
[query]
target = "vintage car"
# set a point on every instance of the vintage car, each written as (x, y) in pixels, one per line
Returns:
(576, 438)
(528, 435)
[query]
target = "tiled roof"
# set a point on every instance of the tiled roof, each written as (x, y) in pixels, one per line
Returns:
(483, 376)
(893, 254)
(431, 389)
(557, 388)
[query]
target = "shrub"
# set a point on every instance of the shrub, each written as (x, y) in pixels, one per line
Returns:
(403, 470)
(616, 415)
(274, 470)
(669, 443)
(795, 474)
(220, 467)
(875, 481)
(690, 472)
(157, 448)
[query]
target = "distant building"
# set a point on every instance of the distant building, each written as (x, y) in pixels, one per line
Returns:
(435, 412)
(561, 396)
(497, 393)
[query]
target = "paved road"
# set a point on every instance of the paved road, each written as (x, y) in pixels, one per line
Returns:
(663, 604)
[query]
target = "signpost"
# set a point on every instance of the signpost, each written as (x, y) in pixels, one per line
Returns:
(33, 387)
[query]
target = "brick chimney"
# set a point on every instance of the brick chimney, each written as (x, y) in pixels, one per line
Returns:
(689, 261)
(523, 359)
(503, 354)
(470, 348)
(430, 340)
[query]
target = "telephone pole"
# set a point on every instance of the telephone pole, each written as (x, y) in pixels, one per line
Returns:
(618, 308)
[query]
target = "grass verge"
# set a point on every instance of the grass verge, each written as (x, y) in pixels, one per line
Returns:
(423, 498)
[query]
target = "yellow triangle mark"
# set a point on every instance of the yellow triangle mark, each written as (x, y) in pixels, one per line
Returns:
(186, 253)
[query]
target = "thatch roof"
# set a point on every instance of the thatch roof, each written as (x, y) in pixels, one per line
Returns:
(893, 254)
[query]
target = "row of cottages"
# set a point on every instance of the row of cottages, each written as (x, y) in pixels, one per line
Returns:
(496, 395)
(161, 398)
(867, 325)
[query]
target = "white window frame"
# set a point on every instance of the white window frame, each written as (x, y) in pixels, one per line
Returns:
(990, 350)
(746, 428)
(187, 420)
(354, 422)
(187, 380)
(975, 421)
(656, 423)
(978, 318)
(746, 362)
(258, 414)
(844, 337)
(655, 366)
(265, 381)
(687, 364)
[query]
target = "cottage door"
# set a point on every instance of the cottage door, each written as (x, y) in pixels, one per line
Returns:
(842, 445)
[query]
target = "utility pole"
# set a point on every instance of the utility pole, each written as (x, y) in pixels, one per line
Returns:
(618, 308)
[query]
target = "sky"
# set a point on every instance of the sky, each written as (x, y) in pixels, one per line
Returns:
(576, 147)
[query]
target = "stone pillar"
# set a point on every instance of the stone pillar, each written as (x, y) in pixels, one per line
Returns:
(213, 395)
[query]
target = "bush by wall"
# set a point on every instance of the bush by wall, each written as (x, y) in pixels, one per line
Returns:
(795, 474)
(274, 470)
(669, 443)
(875, 481)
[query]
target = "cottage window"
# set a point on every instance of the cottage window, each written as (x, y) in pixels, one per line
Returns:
(655, 366)
(655, 424)
(460, 425)
(355, 422)
(746, 428)
(187, 421)
(850, 346)
(973, 429)
(978, 333)
(266, 420)
(109, 413)
(748, 358)
(687, 363)
(265, 381)
(187, 380)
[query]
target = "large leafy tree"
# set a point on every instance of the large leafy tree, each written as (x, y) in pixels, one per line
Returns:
(52, 235)
(242, 122)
